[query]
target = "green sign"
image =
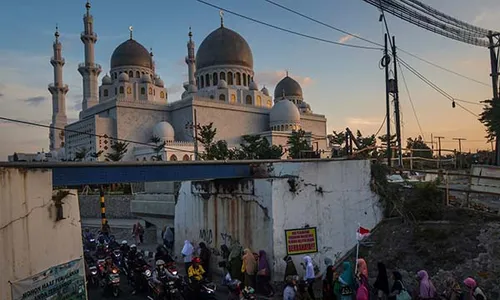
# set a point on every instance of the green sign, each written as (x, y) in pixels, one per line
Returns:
(62, 282)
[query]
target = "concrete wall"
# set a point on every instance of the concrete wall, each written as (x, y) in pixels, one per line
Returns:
(332, 196)
(117, 206)
(483, 184)
(30, 239)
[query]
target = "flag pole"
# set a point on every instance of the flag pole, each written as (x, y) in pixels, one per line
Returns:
(357, 249)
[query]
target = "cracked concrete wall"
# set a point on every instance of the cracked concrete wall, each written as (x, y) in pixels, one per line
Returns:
(333, 196)
(30, 239)
(219, 212)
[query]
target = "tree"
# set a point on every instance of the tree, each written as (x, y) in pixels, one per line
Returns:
(383, 141)
(158, 148)
(418, 144)
(490, 117)
(81, 154)
(119, 151)
(297, 144)
(257, 147)
(366, 145)
(96, 155)
(338, 139)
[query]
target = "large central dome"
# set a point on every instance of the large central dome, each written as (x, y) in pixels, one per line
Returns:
(131, 53)
(224, 47)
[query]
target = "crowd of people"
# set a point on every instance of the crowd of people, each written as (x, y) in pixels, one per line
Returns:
(348, 283)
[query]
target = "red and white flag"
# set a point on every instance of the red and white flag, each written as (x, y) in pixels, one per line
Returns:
(362, 233)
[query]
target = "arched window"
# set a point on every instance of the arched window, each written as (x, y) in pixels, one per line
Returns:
(162, 94)
(233, 98)
(222, 76)
(214, 79)
(282, 128)
(129, 90)
(269, 103)
(99, 93)
(238, 78)
(116, 75)
(143, 91)
(122, 90)
(137, 74)
(130, 74)
(185, 157)
(212, 97)
(244, 80)
(142, 73)
(105, 92)
(230, 78)
(286, 127)
(202, 82)
(207, 80)
(150, 91)
(248, 100)
(222, 97)
(259, 101)
(144, 159)
(198, 82)
(173, 157)
(249, 79)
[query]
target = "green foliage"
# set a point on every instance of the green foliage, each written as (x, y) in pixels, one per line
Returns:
(81, 154)
(257, 147)
(297, 144)
(96, 155)
(364, 144)
(390, 195)
(490, 117)
(426, 202)
(158, 148)
(392, 142)
(419, 144)
(119, 151)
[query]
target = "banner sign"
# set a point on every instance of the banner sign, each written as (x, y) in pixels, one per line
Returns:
(62, 282)
(301, 241)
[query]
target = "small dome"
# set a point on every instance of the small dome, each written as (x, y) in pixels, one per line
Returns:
(106, 80)
(159, 82)
(289, 87)
(284, 112)
(305, 107)
(164, 131)
(265, 91)
(123, 77)
(131, 53)
(222, 84)
(253, 86)
(224, 47)
(146, 78)
(186, 85)
(184, 94)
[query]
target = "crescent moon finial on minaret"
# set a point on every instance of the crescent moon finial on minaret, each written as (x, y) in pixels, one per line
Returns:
(131, 29)
(221, 14)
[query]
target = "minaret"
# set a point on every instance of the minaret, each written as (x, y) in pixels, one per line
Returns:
(58, 90)
(89, 69)
(191, 62)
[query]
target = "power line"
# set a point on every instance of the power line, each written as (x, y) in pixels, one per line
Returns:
(87, 133)
(434, 86)
(287, 30)
(411, 101)
(381, 125)
(372, 42)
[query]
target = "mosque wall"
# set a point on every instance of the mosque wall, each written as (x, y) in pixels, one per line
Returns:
(313, 124)
(29, 231)
(182, 114)
(333, 196)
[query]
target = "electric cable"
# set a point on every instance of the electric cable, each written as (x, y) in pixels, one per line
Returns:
(374, 43)
(381, 125)
(287, 30)
(411, 101)
(88, 133)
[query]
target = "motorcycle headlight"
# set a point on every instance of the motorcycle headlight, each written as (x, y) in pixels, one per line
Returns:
(174, 273)
(92, 240)
(94, 272)
(147, 273)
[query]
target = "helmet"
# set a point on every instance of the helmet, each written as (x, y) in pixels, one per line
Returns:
(133, 246)
(160, 263)
(124, 242)
(196, 260)
(108, 258)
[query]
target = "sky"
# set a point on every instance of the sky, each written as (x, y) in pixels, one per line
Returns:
(345, 84)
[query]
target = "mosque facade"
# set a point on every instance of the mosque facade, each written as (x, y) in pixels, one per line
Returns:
(131, 102)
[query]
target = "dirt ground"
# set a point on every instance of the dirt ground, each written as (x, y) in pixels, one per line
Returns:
(466, 243)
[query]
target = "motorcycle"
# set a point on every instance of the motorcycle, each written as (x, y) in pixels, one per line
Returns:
(248, 293)
(171, 283)
(117, 257)
(206, 290)
(113, 282)
(93, 276)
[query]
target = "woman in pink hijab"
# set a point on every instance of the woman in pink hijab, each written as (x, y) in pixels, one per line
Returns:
(362, 267)
(426, 289)
(474, 291)
(362, 274)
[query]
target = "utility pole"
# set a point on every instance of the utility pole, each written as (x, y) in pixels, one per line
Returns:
(494, 79)
(439, 149)
(460, 148)
(386, 61)
(194, 126)
(396, 104)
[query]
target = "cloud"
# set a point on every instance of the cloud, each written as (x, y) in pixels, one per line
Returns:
(34, 101)
(344, 39)
(366, 122)
(174, 88)
(271, 78)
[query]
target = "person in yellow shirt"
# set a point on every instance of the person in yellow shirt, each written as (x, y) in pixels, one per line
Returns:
(196, 271)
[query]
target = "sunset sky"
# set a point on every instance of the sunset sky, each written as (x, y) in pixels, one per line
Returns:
(345, 84)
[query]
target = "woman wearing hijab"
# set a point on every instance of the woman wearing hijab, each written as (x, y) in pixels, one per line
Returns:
(328, 262)
(187, 254)
(263, 275)
(474, 291)
(290, 269)
(331, 285)
(426, 289)
(205, 258)
(398, 287)
(362, 268)
(346, 280)
(249, 268)
(235, 261)
(310, 277)
(382, 282)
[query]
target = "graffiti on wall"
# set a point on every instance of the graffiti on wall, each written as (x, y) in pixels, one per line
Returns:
(206, 236)
(226, 238)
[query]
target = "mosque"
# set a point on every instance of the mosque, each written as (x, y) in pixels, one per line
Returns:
(132, 103)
